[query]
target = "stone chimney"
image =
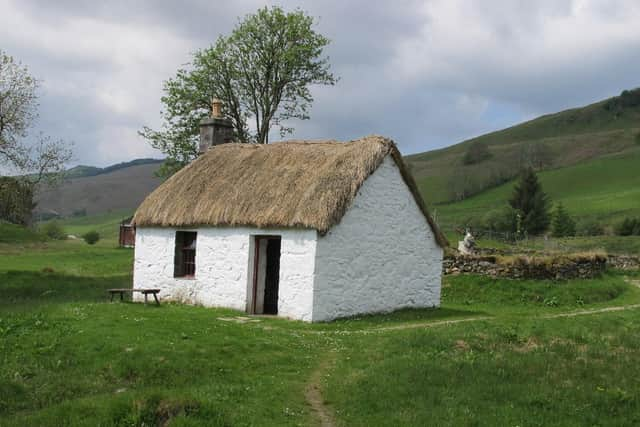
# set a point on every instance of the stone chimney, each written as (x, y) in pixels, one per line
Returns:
(215, 130)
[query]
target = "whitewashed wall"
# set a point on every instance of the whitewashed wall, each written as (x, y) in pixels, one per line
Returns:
(381, 257)
(224, 268)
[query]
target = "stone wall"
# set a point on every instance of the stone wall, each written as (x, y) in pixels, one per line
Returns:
(624, 262)
(553, 268)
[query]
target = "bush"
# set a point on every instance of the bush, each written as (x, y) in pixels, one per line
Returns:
(79, 212)
(53, 230)
(502, 220)
(590, 228)
(91, 237)
(628, 227)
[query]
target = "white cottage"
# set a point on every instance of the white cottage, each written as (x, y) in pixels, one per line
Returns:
(305, 230)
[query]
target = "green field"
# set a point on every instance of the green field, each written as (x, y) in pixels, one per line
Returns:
(106, 224)
(69, 357)
(606, 190)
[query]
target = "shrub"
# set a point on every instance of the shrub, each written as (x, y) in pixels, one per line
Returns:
(501, 220)
(91, 237)
(53, 230)
(628, 227)
(79, 212)
(562, 225)
(590, 228)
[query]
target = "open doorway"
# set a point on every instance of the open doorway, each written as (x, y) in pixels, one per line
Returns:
(266, 275)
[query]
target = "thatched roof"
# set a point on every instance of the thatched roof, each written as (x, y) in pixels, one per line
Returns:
(287, 184)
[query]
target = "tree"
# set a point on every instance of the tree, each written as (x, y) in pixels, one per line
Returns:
(531, 202)
(628, 227)
(16, 200)
(562, 225)
(476, 153)
(35, 163)
(262, 73)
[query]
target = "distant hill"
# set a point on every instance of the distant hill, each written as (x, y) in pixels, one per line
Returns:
(84, 171)
(606, 128)
(90, 190)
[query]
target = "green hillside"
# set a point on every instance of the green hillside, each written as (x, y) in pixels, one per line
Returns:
(567, 138)
(605, 189)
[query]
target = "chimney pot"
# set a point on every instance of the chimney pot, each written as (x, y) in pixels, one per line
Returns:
(216, 108)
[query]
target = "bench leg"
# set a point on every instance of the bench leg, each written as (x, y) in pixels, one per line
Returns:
(111, 296)
(121, 296)
(155, 297)
(145, 297)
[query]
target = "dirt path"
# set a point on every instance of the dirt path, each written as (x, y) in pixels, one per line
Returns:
(313, 393)
(588, 312)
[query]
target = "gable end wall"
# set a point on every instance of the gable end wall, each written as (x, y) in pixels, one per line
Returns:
(381, 257)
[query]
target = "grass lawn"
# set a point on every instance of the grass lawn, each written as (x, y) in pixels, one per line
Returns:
(519, 372)
(69, 357)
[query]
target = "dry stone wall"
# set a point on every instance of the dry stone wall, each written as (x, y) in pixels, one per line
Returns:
(561, 268)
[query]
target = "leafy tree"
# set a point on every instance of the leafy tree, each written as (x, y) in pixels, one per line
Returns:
(37, 163)
(531, 202)
(562, 225)
(626, 99)
(53, 230)
(16, 200)
(502, 220)
(476, 153)
(262, 73)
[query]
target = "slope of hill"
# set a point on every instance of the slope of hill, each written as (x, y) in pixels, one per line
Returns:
(552, 141)
(605, 189)
(83, 171)
(119, 188)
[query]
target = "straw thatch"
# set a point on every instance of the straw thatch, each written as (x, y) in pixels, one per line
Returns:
(287, 184)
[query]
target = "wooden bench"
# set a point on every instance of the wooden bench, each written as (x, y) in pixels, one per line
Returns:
(145, 292)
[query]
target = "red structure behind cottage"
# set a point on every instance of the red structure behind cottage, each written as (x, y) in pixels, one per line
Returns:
(127, 234)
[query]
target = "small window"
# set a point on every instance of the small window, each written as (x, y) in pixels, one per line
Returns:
(185, 254)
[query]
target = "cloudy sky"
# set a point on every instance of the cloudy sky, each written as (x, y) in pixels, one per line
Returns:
(426, 73)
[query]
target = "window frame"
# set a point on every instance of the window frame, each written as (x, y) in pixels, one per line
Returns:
(184, 261)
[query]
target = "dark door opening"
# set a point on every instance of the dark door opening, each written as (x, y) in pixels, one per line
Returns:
(266, 275)
(272, 276)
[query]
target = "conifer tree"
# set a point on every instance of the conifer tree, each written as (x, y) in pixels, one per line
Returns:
(562, 225)
(531, 202)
